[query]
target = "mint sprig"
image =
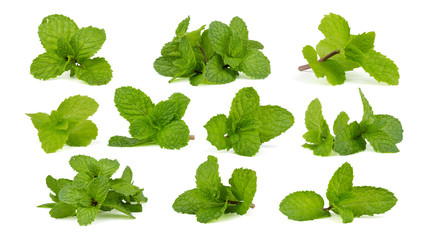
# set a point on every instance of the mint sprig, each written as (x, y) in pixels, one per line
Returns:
(212, 56)
(67, 125)
(211, 199)
(92, 190)
(69, 48)
(248, 125)
(346, 200)
(382, 131)
(159, 124)
(341, 51)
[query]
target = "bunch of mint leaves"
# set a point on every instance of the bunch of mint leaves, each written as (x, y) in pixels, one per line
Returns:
(159, 124)
(93, 189)
(382, 131)
(344, 199)
(341, 51)
(70, 48)
(67, 125)
(212, 56)
(248, 125)
(211, 199)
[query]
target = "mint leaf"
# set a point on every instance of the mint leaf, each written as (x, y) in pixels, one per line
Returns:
(70, 48)
(174, 135)
(212, 56)
(93, 190)
(67, 124)
(248, 124)
(345, 199)
(368, 201)
(211, 199)
(318, 133)
(243, 186)
(341, 51)
(303, 206)
(82, 133)
(96, 71)
(244, 105)
(86, 215)
(217, 129)
(205, 215)
(274, 121)
(341, 183)
(132, 103)
(255, 65)
(192, 200)
(142, 128)
(348, 139)
(87, 41)
(62, 210)
(246, 143)
(208, 174)
(120, 141)
(217, 73)
(336, 29)
(53, 27)
(149, 123)
(77, 108)
(48, 65)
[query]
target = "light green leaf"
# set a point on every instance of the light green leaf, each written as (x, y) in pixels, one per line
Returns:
(80, 163)
(48, 65)
(95, 71)
(340, 183)
(142, 128)
(77, 108)
(368, 201)
(174, 135)
(336, 29)
(82, 133)
(219, 35)
(303, 206)
(255, 65)
(205, 215)
(183, 27)
(217, 73)
(132, 103)
(165, 66)
(70, 195)
(246, 143)
(245, 105)
(39, 119)
(87, 41)
(243, 186)
(123, 187)
(98, 189)
(207, 176)
(86, 215)
(51, 138)
(274, 120)
(53, 27)
(108, 167)
(346, 214)
(62, 210)
(216, 130)
(120, 141)
(192, 200)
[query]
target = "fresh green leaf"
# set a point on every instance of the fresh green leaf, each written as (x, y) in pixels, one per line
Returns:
(82, 133)
(368, 201)
(303, 206)
(243, 186)
(142, 128)
(255, 65)
(217, 73)
(246, 143)
(245, 105)
(341, 183)
(174, 135)
(53, 27)
(87, 41)
(62, 210)
(95, 71)
(217, 129)
(86, 215)
(48, 65)
(120, 141)
(205, 215)
(274, 120)
(132, 103)
(77, 108)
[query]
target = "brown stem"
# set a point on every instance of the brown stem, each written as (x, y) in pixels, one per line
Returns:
(307, 66)
(204, 54)
(191, 137)
(327, 209)
(236, 202)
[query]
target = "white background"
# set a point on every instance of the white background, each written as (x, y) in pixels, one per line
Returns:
(136, 31)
